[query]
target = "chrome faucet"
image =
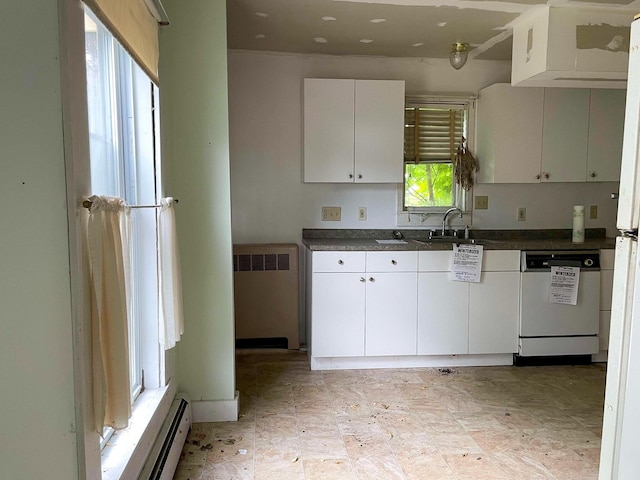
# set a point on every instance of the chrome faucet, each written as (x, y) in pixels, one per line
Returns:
(446, 214)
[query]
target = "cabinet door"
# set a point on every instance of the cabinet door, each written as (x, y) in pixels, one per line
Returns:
(328, 130)
(337, 314)
(564, 134)
(391, 314)
(606, 126)
(493, 313)
(509, 139)
(379, 131)
(443, 326)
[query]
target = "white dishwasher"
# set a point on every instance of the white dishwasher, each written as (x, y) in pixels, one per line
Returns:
(552, 329)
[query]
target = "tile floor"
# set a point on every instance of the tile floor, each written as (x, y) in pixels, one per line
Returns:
(442, 424)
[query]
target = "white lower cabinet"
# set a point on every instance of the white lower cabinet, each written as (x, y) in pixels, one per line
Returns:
(607, 259)
(493, 313)
(377, 304)
(391, 313)
(363, 303)
(443, 325)
(338, 314)
(475, 318)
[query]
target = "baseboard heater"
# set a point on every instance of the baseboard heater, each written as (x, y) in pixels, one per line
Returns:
(163, 459)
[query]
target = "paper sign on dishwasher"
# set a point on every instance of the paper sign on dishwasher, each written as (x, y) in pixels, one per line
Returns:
(564, 285)
(467, 263)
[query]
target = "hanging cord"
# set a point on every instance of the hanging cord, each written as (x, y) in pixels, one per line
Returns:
(464, 166)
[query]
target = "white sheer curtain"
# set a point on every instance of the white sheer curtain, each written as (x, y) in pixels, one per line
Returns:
(108, 235)
(171, 316)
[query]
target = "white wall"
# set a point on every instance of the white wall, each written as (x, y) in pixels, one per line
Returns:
(548, 205)
(195, 140)
(271, 204)
(37, 419)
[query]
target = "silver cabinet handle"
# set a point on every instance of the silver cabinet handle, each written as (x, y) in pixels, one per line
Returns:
(351, 175)
(362, 279)
(359, 175)
(547, 175)
(593, 174)
(537, 177)
(393, 262)
(371, 279)
(340, 262)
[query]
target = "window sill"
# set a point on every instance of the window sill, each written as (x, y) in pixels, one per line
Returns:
(127, 450)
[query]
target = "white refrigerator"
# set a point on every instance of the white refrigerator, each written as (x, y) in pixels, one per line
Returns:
(620, 454)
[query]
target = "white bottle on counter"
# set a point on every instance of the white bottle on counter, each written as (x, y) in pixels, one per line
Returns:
(578, 224)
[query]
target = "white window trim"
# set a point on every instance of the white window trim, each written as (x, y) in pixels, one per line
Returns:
(431, 217)
(152, 406)
(126, 451)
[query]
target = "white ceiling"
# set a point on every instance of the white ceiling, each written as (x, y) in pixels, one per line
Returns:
(392, 28)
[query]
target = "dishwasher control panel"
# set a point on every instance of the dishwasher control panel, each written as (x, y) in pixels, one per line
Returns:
(537, 261)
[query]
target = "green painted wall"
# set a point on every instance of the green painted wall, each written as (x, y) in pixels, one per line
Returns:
(195, 139)
(37, 418)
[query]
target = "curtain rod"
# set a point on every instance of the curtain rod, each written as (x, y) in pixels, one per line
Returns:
(89, 203)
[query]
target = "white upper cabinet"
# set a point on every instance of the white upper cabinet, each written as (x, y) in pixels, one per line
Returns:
(564, 135)
(379, 131)
(532, 135)
(328, 130)
(606, 127)
(509, 146)
(353, 131)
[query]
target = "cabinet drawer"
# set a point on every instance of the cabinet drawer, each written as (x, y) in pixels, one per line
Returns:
(492, 261)
(338, 261)
(392, 261)
(501, 261)
(439, 261)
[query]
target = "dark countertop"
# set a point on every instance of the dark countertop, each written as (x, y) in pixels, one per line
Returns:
(362, 240)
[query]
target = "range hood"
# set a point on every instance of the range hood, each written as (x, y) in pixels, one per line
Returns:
(571, 47)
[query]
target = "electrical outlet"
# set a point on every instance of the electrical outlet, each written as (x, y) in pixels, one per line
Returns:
(331, 214)
(593, 212)
(522, 214)
(362, 214)
(481, 202)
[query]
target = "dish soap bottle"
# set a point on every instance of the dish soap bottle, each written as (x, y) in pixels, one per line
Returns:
(578, 224)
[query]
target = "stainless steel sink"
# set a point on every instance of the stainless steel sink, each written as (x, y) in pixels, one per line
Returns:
(447, 239)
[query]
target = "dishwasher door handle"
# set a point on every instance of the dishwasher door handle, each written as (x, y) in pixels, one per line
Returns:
(564, 263)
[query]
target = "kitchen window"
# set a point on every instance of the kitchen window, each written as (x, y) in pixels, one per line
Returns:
(124, 150)
(434, 128)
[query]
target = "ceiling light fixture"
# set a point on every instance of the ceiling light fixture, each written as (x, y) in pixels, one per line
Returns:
(458, 55)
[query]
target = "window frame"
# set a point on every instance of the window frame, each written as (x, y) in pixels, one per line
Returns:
(127, 126)
(432, 216)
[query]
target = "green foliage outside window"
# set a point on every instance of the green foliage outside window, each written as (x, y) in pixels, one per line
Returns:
(428, 185)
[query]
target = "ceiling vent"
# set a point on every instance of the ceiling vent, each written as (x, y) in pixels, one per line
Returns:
(571, 47)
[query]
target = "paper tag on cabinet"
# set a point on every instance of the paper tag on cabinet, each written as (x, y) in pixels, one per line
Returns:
(467, 263)
(564, 285)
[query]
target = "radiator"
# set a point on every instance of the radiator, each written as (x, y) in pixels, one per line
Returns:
(266, 293)
(163, 459)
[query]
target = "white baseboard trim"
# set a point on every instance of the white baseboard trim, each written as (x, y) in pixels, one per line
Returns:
(204, 411)
(345, 363)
